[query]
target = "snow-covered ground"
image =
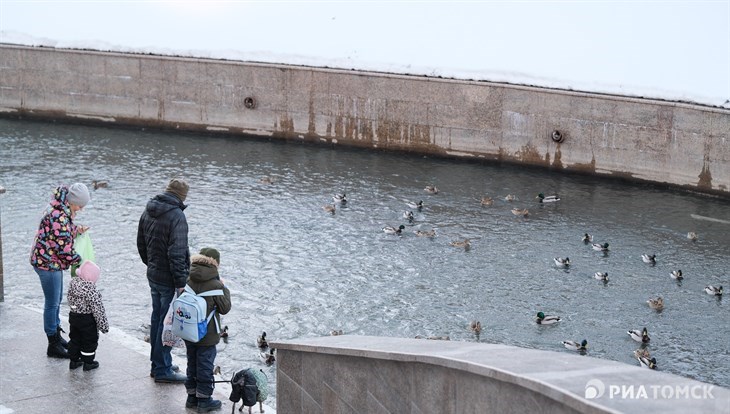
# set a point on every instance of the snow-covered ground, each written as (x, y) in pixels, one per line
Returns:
(666, 49)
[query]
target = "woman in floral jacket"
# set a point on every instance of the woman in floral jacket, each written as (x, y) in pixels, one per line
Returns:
(53, 253)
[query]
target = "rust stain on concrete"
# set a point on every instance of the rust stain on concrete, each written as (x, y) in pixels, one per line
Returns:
(705, 176)
(589, 167)
(286, 124)
(557, 162)
(530, 155)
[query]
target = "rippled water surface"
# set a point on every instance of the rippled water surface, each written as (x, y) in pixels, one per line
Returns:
(297, 271)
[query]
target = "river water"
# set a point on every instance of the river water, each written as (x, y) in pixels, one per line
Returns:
(296, 270)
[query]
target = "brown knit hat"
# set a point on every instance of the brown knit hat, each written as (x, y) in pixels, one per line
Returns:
(178, 187)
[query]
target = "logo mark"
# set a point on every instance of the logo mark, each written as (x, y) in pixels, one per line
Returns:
(594, 389)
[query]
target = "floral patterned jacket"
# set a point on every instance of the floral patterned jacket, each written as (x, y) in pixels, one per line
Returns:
(53, 246)
(84, 298)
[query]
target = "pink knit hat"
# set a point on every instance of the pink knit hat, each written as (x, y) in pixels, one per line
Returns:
(88, 271)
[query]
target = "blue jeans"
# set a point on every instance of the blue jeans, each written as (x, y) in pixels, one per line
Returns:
(160, 355)
(200, 369)
(52, 284)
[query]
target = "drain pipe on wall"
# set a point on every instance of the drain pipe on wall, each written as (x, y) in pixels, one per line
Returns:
(2, 285)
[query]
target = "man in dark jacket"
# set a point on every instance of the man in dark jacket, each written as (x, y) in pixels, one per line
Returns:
(201, 355)
(162, 242)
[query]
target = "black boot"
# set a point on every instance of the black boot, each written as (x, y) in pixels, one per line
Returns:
(55, 350)
(62, 341)
(89, 362)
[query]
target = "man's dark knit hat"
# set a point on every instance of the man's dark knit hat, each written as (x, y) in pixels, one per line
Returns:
(212, 253)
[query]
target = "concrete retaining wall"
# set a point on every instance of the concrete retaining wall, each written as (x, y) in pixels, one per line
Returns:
(362, 374)
(678, 144)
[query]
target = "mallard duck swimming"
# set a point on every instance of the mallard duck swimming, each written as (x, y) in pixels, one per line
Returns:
(408, 215)
(639, 335)
(330, 208)
(475, 326)
(543, 319)
(692, 236)
(601, 276)
(510, 197)
(336, 332)
(418, 205)
(642, 352)
(559, 261)
(587, 238)
(99, 184)
(575, 346)
(224, 332)
(676, 274)
(425, 233)
(393, 230)
(261, 341)
(548, 199)
(600, 247)
(647, 362)
(656, 303)
(649, 258)
(461, 243)
(711, 290)
(340, 198)
(487, 201)
(268, 358)
(520, 212)
(431, 189)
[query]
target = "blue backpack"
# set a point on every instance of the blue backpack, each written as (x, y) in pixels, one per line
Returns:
(188, 314)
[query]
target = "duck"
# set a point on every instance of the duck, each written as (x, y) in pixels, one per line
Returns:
(649, 258)
(548, 199)
(261, 341)
(520, 212)
(330, 208)
(559, 261)
(647, 362)
(418, 205)
(266, 180)
(99, 184)
(587, 238)
(543, 319)
(656, 303)
(692, 236)
(600, 247)
(676, 274)
(510, 197)
(425, 233)
(268, 358)
(639, 335)
(642, 352)
(711, 290)
(340, 198)
(461, 243)
(601, 276)
(575, 346)
(217, 370)
(408, 215)
(487, 201)
(393, 230)
(431, 189)
(475, 326)
(224, 332)
(336, 332)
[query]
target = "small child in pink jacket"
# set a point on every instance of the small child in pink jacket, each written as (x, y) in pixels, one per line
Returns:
(87, 317)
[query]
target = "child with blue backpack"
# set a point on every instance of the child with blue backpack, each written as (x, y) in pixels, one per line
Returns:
(201, 355)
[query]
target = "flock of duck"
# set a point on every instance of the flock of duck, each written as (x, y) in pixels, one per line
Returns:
(642, 354)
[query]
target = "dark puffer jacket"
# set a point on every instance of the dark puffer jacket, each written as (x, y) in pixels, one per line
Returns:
(204, 277)
(162, 241)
